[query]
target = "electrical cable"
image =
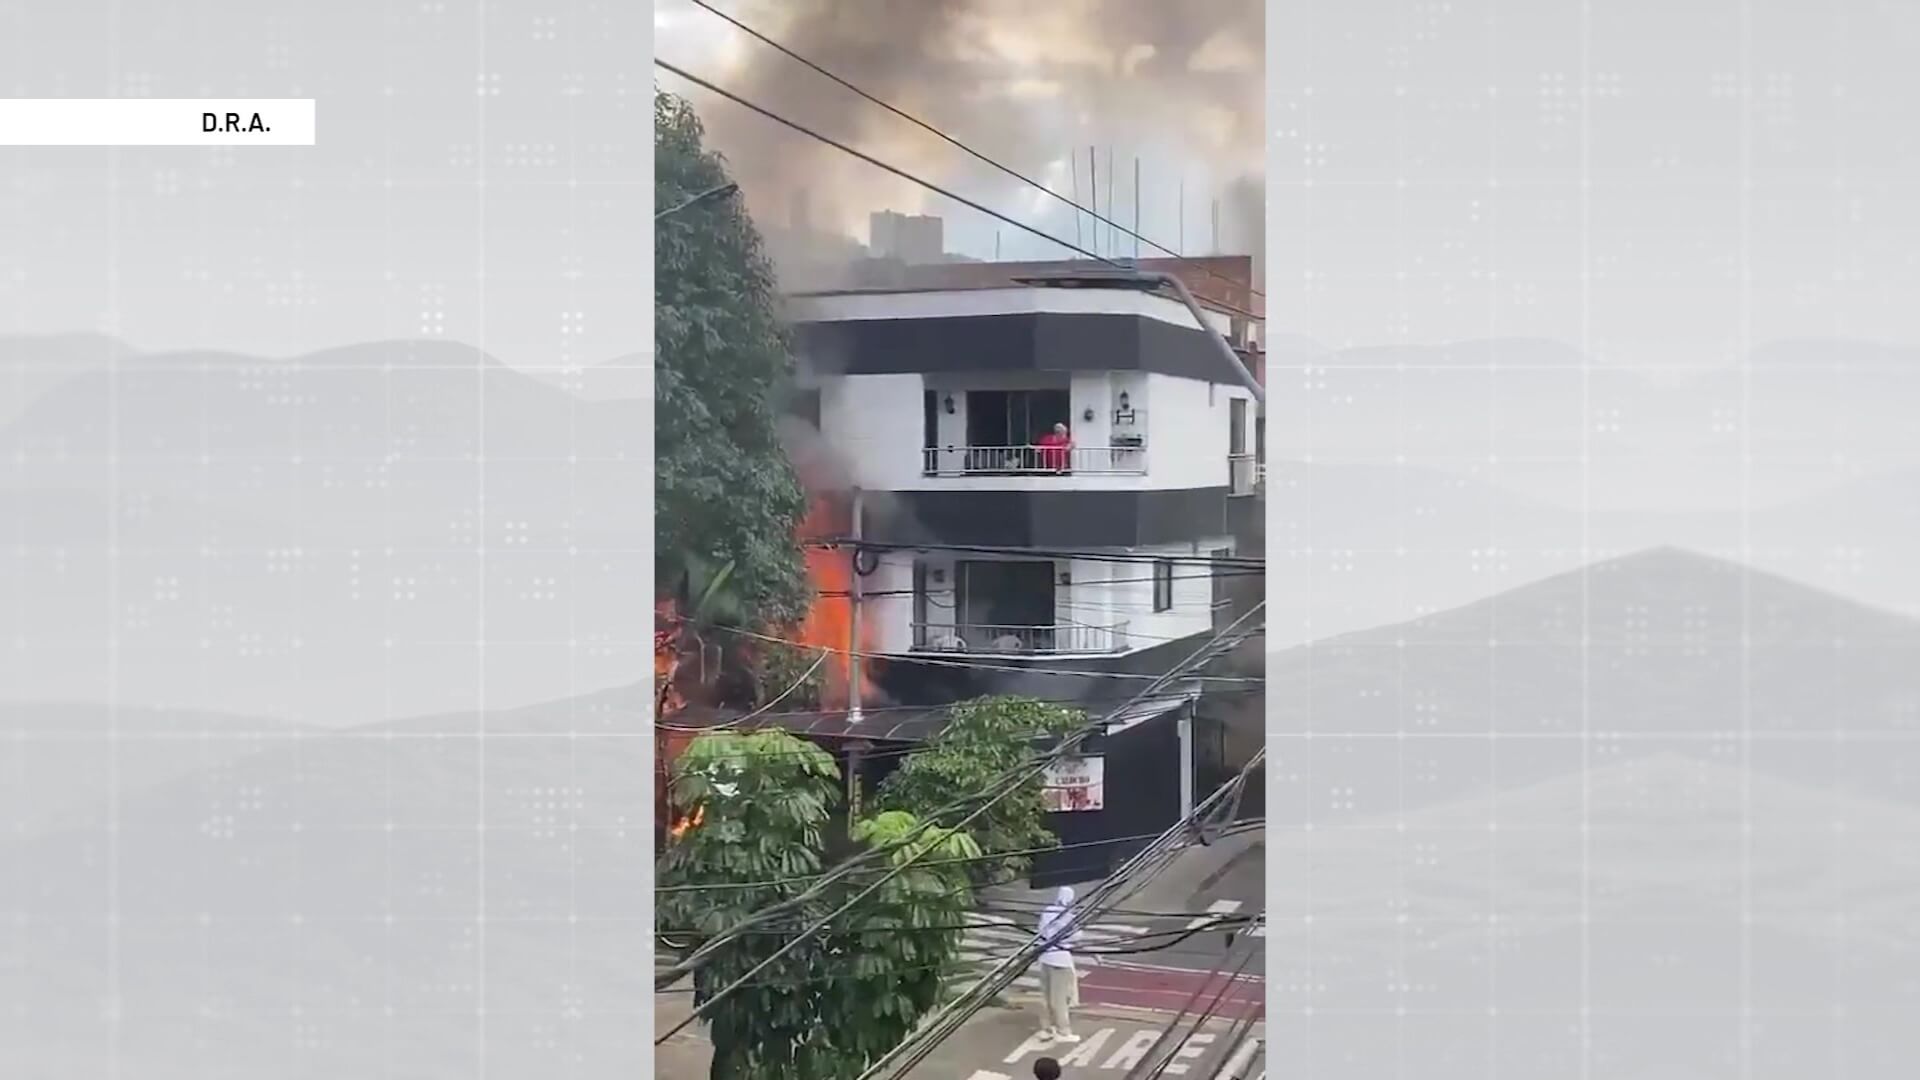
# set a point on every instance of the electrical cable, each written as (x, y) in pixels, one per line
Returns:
(1135, 558)
(899, 866)
(943, 1024)
(768, 883)
(937, 1028)
(992, 795)
(916, 121)
(907, 176)
(953, 662)
(1212, 921)
(784, 694)
(1161, 1062)
(798, 984)
(770, 721)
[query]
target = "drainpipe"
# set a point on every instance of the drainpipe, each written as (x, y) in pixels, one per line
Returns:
(854, 588)
(1219, 342)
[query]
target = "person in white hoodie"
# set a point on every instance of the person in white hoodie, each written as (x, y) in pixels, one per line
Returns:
(1059, 982)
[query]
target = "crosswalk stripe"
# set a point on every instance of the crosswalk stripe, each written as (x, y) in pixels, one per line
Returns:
(1214, 911)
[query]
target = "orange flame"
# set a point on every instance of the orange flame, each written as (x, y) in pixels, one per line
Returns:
(829, 622)
(688, 821)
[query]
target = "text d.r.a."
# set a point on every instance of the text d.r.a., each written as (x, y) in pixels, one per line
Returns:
(214, 122)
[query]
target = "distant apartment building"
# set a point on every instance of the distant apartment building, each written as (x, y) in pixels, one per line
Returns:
(910, 238)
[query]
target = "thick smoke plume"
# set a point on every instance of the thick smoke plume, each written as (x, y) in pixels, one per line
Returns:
(1180, 85)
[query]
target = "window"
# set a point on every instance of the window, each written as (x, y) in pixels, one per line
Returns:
(1162, 586)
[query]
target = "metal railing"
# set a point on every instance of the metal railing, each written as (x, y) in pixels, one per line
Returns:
(1019, 640)
(1243, 474)
(1034, 460)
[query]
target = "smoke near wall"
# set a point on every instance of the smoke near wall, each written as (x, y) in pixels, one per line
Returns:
(1032, 85)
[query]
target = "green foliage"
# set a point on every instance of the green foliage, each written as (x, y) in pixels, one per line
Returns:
(724, 491)
(985, 739)
(841, 998)
(778, 666)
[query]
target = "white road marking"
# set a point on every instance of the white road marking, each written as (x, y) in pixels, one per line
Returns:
(1088, 1050)
(1195, 1045)
(982, 1074)
(1215, 911)
(1133, 1049)
(1236, 1066)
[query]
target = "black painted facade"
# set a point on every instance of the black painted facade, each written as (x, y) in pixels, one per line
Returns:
(1050, 519)
(1017, 342)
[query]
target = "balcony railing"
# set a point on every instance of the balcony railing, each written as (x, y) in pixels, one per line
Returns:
(1034, 461)
(1067, 638)
(1243, 474)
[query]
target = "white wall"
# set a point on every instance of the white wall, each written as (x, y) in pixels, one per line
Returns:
(887, 603)
(1105, 593)
(1187, 431)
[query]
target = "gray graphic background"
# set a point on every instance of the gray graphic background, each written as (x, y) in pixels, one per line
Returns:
(323, 536)
(1593, 504)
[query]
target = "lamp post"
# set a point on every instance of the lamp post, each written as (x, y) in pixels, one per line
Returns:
(722, 191)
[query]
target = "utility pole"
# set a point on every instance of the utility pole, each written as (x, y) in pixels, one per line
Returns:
(854, 713)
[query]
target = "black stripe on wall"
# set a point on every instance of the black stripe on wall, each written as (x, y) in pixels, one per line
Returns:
(1076, 519)
(1028, 342)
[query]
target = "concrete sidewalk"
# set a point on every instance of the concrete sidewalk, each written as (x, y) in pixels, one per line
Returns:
(1000, 1042)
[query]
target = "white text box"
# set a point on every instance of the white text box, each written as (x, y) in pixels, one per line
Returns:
(156, 121)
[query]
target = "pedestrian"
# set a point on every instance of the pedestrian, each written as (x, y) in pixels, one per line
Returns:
(1056, 449)
(1046, 1069)
(1059, 982)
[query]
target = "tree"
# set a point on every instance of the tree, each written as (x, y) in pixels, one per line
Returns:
(983, 740)
(841, 997)
(724, 491)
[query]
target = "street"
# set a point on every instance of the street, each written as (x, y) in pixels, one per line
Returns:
(1135, 955)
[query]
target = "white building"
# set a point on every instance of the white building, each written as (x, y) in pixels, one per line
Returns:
(934, 400)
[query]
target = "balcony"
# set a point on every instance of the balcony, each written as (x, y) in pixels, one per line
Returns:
(1034, 461)
(1066, 639)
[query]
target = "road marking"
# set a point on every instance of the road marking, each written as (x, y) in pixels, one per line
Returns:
(1133, 1049)
(982, 1074)
(1088, 1050)
(1236, 1066)
(1215, 911)
(1195, 1045)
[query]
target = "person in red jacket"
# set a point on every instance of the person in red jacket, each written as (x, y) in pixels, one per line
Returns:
(1056, 449)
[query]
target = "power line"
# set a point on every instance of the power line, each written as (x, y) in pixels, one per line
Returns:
(907, 176)
(769, 883)
(1208, 920)
(1160, 1063)
(949, 1019)
(1229, 574)
(956, 964)
(1232, 562)
(974, 665)
(993, 794)
(942, 135)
